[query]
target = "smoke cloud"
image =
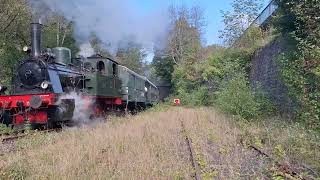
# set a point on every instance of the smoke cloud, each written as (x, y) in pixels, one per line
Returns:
(86, 50)
(110, 20)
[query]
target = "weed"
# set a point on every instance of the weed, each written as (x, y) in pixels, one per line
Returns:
(5, 130)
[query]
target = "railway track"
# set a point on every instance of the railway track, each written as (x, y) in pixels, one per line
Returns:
(7, 138)
(12, 138)
(283, 168)
(194, 163)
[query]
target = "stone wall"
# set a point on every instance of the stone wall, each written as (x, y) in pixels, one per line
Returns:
(265, 72)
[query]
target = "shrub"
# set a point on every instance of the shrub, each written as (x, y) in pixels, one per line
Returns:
(237, 98)
(198, 97)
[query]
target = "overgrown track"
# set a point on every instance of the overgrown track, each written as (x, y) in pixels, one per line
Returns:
(283, 168)
(192, 153)
(12, 138)
(7, 138)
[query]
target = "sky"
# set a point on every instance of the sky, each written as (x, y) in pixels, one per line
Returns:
(212, 10)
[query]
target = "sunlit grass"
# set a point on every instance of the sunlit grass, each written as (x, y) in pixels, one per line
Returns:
(152, 145)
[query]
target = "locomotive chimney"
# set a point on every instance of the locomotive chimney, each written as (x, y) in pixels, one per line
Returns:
(36, 28)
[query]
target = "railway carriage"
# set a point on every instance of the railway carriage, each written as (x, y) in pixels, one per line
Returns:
(137, 90)
(152, 94)
(133, 88)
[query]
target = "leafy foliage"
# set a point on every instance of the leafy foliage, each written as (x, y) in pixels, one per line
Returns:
(131, 54)
(200, 96)
(299, 20)
(184, 39)
(178, 63)
(58, 32)
(238, 20)
(164, 67)
(15, 17)
(199, 74)
(229, 70)
(236, 97)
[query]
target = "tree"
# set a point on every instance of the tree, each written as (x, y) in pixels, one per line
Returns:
(184, 41)
(236, 21)
(15, 18)
(99, 47)
(176, 64)
(163, 68)
(131, 54)
(58, 32)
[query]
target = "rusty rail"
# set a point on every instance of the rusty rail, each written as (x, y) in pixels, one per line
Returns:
(192, 153)
(286, 169)
(12, 137)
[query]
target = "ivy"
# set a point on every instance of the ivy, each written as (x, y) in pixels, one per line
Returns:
(300, 20)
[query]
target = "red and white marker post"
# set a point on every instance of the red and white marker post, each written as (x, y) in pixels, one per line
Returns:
(177, 102)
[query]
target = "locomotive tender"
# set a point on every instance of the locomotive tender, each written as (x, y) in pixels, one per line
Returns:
(44, 79)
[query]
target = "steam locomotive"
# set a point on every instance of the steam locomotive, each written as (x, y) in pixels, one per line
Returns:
(44, 87)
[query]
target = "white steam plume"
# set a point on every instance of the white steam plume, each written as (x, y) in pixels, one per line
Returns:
(110, 20)
(86, 50)
(83, 109)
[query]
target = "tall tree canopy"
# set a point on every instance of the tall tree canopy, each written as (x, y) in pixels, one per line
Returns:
(183, 46)
(14, 34)
(236, 21)
(187, 26)
(15, 18)
(131, 54)
(58, 32)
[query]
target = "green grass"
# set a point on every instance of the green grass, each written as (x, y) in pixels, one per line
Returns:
(5, 130)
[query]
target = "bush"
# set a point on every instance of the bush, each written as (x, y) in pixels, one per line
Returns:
(236, 97)
(198, 97)
(300, 66)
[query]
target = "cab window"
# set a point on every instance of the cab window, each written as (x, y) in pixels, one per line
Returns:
(114, 69)
(101, 67)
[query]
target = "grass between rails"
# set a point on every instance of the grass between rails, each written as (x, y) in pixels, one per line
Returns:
(152, 146)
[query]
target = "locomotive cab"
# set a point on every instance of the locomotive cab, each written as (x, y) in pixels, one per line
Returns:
(102, 82)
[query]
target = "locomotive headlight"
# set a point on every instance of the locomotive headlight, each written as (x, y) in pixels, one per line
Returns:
(45, 85)
(25, 48)
(127, 90)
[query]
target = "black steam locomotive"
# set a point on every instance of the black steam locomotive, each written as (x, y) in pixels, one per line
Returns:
(48, 84)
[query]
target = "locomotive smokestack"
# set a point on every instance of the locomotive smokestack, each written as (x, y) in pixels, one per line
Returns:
(36, 39)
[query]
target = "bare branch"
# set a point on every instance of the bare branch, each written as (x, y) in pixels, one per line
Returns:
(9, 24)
